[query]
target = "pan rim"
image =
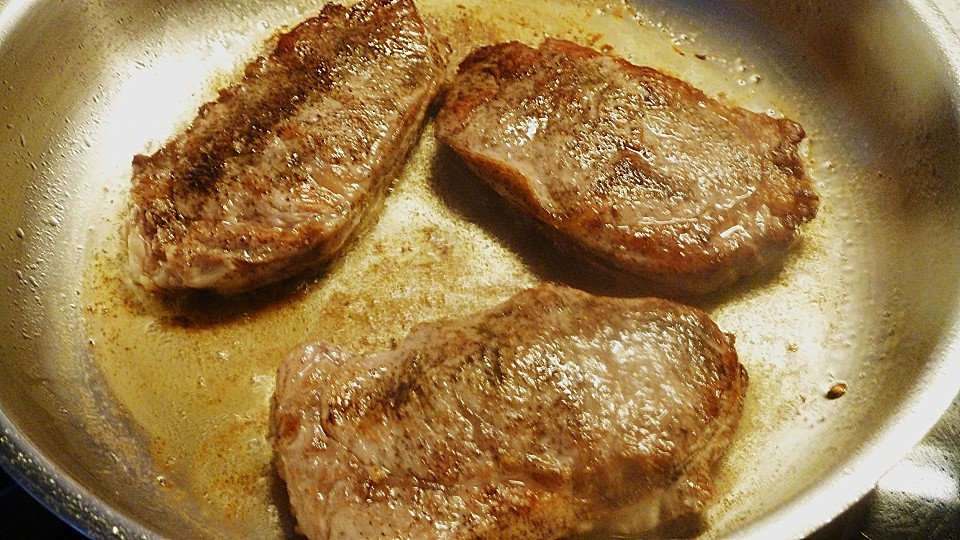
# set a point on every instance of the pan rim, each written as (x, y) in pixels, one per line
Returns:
(60, 493)
(90, 514)
(805, 514)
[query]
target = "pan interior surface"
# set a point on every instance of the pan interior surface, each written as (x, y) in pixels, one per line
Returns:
(133, 415)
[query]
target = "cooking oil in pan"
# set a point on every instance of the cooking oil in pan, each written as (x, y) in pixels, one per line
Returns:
(196, 373)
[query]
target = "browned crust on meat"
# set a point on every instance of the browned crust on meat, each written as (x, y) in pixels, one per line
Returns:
(269, 180)
(466, 427)
(692, 255)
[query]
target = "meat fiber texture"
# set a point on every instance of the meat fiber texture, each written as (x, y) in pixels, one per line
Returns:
(635, 169)
(554, 413)
(276, 175)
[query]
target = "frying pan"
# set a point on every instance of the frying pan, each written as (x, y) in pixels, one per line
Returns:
(137, 416)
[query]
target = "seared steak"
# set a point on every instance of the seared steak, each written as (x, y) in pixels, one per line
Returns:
(275, 175)
(557, 412)
(634, 168)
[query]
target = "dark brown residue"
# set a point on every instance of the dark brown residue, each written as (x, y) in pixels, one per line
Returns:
(837, 391)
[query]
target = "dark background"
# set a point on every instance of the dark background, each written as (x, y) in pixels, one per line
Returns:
(23, 517)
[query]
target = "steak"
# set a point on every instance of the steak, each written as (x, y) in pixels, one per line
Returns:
(554, 413)
(278, 173)
(630, 167)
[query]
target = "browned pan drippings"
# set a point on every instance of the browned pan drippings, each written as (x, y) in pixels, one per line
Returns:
(176, 391)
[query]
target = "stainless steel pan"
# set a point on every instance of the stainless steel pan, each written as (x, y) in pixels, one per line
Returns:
(134, 416)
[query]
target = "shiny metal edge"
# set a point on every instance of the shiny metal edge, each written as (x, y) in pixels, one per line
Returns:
(37, 475)
(60, 493)
(816, 507)
(946, 36)
(806, 515)
(87, 513)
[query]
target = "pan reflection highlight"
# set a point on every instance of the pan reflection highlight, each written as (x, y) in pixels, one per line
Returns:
(932, 480)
